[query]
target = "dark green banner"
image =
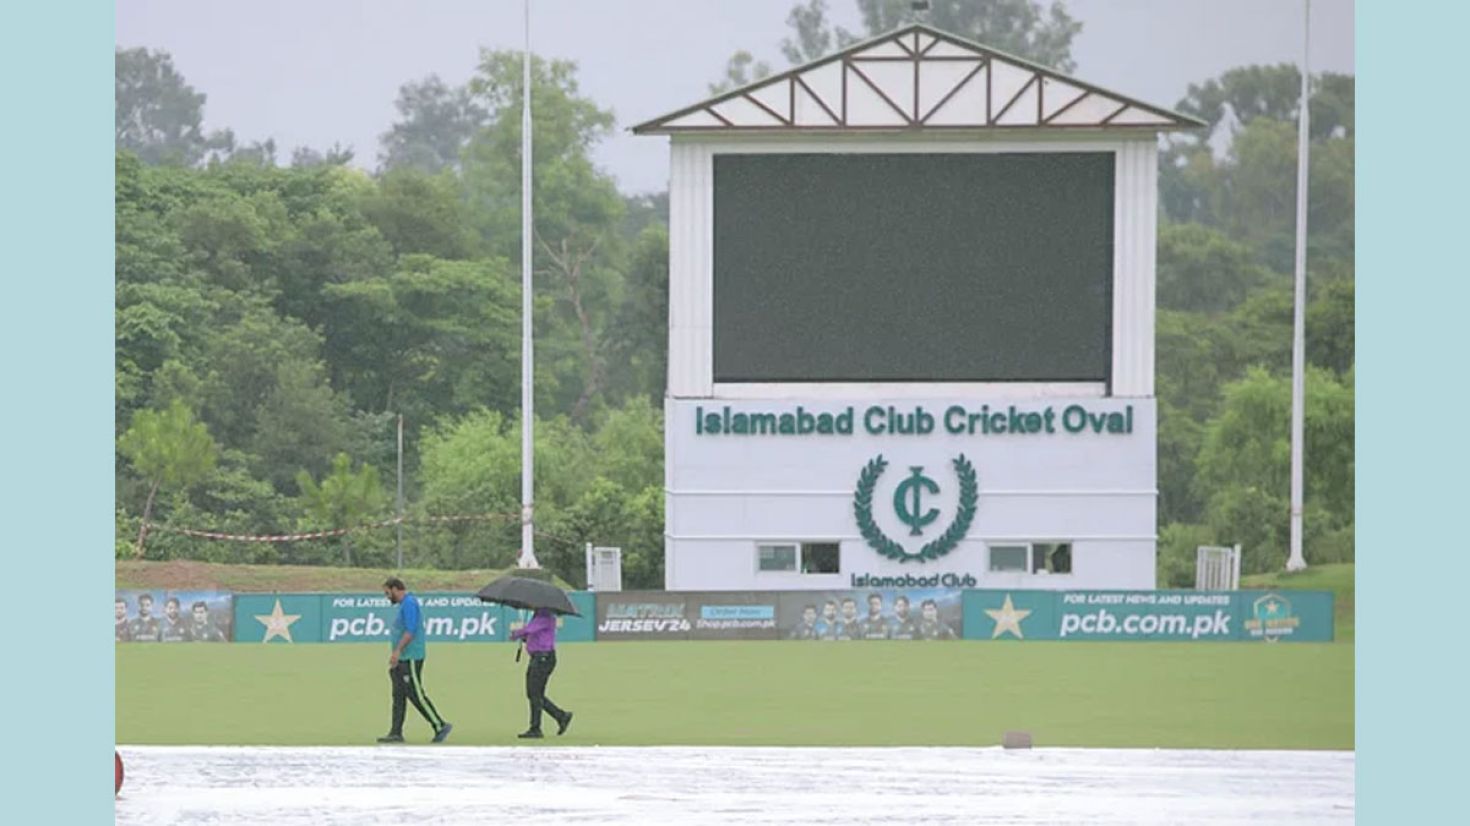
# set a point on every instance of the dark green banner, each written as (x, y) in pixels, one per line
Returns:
(448, 617)
(1270, 616)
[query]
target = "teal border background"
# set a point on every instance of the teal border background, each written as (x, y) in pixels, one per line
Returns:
(56, 359)
(1411, 725)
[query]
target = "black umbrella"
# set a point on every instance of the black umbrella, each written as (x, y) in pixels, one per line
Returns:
(528, 595)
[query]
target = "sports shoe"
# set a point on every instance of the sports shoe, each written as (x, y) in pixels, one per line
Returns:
(531, 734)
(391, 738)
(563, 724)
(443, 732)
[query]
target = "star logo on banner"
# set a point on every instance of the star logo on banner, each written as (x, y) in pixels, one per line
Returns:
(1008, 619)
(277, 623)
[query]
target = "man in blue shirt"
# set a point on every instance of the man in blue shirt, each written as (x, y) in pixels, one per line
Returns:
(406, 664)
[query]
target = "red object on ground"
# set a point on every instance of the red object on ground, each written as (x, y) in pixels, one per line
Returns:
(117, 762)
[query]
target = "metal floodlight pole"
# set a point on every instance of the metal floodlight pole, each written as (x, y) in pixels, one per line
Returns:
(1298, 345)
(400, 492)
(528, 534)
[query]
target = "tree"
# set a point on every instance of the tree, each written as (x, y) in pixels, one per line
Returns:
(320, 249)
(301, 424)
(642, 211)
(1244, 463)
(228, 238)
(1330, 328)
(1180, 436)
(472, 465)
(629, 445)
(1274, 92)
(577, 215)
(813, 37)
(243, 356)
(157, 115)
(1239, 175)
(419, 212)
(344, 498)
(305, 156)
(167, 447)
(638, 341)
(1023, 28)
(572, 197)
(568, 268)
(1202, 270)
(445, 338)
(435, 123)
(609, 514)
(742, 69)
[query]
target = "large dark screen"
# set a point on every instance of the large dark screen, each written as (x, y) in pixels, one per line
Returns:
(922, 267)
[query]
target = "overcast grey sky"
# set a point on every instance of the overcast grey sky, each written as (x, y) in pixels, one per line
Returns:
(318, 72)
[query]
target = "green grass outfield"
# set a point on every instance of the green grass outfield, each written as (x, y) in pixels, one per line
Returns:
(1139, 694)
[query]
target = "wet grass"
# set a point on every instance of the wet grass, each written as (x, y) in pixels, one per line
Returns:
(1164, 695)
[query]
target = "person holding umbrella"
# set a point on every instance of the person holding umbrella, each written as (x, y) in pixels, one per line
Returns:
(539, 636)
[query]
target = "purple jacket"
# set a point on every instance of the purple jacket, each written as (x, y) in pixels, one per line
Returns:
(539, 633)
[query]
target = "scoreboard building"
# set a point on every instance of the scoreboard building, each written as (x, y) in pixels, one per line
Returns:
(911, 327)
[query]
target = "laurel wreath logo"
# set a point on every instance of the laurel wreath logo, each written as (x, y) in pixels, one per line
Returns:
(862, 507)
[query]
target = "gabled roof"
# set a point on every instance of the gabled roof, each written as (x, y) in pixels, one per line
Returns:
(917, 78)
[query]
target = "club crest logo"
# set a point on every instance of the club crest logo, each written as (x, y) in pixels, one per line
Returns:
(909, 506)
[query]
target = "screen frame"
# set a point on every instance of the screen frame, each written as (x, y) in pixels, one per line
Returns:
(691, 257)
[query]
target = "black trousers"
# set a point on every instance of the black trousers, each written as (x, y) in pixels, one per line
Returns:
(537, 673)
(408, 687)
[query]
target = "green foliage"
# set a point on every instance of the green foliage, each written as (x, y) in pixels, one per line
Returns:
(741, 69)
(1274, 93)
(1249, 191)
(570, 194)
(421, 213)
(1224, 332)
(609, 514)
(157, 114)
(629, 445)
(298, 311)
(344, 498)
(435, 122)
(1242, 479)
(1201, 270)
(433, 338)
(638, 341)
(169, 447)
(1023, 28)
(606, 488)
(1330, 328)
(1178, 543)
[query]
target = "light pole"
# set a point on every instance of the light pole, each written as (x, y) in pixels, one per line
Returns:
(527, 557)
(1297, 561)
(400, 493)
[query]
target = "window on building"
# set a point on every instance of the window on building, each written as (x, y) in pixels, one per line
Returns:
(820, 558)
(1008, 557)
(806, 557)
(1032, 558)
(775, 557)
(1055, 557)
